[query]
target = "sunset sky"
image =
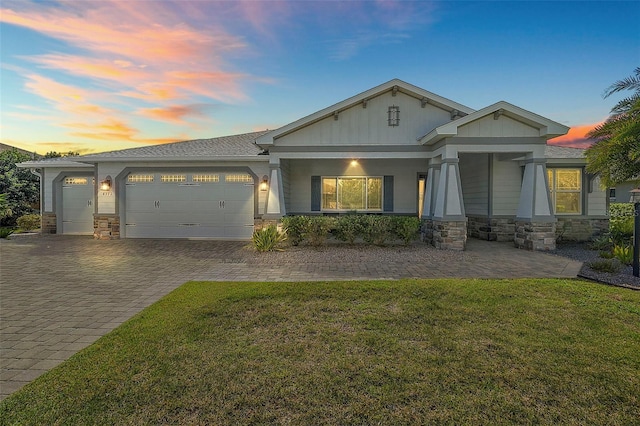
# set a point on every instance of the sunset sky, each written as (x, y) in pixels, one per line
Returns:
(94, 76)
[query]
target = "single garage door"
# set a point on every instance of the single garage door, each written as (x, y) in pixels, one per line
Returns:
(189, 205)
(77, 205)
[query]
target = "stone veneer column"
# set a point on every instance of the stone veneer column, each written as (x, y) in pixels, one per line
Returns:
(106, 227)
(449, 220)
(429, 200)
(535, 222)
(49, 223)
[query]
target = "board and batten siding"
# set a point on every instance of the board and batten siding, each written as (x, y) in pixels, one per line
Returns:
(404, 172)
(502, 127)
(507, 182)
(597, 199)
(474, 178)
(369, 126)
(285, 170)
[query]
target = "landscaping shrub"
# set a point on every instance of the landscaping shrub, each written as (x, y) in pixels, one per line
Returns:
(318, 228)
(605, 265)
(5, 232)
(601, 243)
(29, 222)
(296, 228)
(624, 254)
(406, 228)
(268, 239)
(349, 227)
(377, 229)
(606, 254)
(621, 223)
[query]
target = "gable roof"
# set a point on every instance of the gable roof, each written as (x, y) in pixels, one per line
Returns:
(547, 128)
(395, 84)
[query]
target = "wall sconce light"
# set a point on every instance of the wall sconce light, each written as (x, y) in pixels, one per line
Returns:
(105, 185)
(264, 184)
(354, 163)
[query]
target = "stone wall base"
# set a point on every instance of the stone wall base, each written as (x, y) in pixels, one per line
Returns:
(491, 229)
(580, 228)
(446, 235)
(106, 227)
(540, 236)
(49, 223)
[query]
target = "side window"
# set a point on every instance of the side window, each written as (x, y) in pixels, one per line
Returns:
(565, 186)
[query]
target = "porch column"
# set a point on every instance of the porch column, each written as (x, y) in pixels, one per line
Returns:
(275, 199)
(535, 221)
(431, 188)
(449, 219)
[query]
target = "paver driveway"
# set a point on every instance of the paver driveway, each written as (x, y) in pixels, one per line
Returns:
(58, 294)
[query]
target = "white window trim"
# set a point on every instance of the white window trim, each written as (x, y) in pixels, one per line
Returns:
(336, 210)
(553, 191)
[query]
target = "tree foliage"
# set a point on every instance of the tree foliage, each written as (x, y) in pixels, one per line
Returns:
(21, 187)
(55, 154)
(615, 155)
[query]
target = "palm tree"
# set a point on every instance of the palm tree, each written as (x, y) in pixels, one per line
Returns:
(615, 155)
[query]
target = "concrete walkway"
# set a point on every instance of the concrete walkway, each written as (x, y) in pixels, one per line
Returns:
(58, 294)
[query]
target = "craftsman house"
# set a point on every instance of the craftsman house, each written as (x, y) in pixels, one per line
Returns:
(394, 149)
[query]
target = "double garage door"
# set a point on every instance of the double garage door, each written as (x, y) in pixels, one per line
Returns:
(189, 205)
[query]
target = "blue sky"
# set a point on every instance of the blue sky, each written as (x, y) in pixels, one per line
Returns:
(97, 76)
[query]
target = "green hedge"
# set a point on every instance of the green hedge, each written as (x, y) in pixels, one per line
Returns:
(372, 229)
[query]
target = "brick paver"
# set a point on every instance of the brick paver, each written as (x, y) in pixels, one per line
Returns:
(59, 294)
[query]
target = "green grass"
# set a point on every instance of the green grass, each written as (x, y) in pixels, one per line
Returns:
(372, 352)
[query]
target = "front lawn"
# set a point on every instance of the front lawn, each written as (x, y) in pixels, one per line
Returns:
(368, 352)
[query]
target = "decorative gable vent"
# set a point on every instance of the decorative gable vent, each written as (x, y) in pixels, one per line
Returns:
(393, 116)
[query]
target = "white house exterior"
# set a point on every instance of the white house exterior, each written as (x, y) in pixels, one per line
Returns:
(393, 149)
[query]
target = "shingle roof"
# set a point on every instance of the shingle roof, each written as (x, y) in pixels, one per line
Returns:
(554, 151)
(226, 146)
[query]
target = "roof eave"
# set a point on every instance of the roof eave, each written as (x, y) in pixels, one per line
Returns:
(47, 164)
(178, 159)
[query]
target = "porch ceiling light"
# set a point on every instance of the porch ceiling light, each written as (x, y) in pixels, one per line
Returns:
(105, 185)
(354, 163)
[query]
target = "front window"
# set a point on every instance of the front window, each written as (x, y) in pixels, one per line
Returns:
(352, 193)
(565, 186)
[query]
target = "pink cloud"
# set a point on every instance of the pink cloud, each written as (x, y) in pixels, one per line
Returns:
(576, 137)
(175, 113)
(133, 43)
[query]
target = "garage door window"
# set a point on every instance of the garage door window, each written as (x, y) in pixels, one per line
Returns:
(173, 178)
(205, 178)
(238, 178)
(140, 178)
(76, 181)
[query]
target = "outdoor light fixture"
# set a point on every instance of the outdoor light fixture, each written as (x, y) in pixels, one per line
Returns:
(105, 185)
(354, 163)
(635, 195)
(264, 184)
